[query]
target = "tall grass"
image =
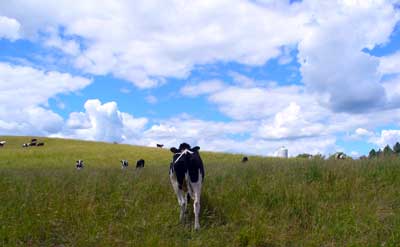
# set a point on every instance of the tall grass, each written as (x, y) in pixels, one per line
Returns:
(44, 201)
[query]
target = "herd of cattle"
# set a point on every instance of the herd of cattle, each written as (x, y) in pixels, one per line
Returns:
(186, 174)
(124, 164)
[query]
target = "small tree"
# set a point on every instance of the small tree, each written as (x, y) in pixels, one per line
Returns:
(387, 151)
(372, 154)
(304, 155)
(396, 148)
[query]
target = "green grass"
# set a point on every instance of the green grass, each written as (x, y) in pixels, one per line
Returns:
(44, 201)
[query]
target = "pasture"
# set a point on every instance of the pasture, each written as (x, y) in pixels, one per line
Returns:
(45, 201)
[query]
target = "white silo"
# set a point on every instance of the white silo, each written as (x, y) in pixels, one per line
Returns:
(282, 152)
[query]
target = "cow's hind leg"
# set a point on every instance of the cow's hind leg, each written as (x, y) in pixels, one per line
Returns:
(196, 187)
(181, 195)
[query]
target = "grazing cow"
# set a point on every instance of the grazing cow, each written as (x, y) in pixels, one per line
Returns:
(2, 143)
(25, 145)
(140, 163)
(79, 164)
(160, 145)
(33, 142)
(187, 174)
(40, 144)
(245, 159)
(124, 164)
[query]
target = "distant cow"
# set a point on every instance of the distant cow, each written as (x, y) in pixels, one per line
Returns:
(140, 163)
(124, 164)
(186, 173)
(160, 145)
(25, 145)
(40, 144)
(79, 164)
(2, 143)
(340, 156)
(245, 159)
(33, 142)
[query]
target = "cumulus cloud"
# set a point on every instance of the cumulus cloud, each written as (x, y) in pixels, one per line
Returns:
(290, 123)
(351, 80)
(123, 37)
(9, 28)
(103, 122)
(390, 64)
(24, 94)
(386, 137)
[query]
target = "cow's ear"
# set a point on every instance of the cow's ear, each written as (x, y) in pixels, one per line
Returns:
(196, 149)
(174, 150)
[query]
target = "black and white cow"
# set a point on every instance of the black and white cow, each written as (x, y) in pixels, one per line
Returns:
(245, 159)
(2, 143)
(124, 164)
(140, 163)
(187, 174)
(33, 142)
(79, 164)
(25, 145)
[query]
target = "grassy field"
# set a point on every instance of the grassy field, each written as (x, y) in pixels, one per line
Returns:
(44, 201)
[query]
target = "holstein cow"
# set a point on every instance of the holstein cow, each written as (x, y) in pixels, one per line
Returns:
(245, 159)
(33, 142)
(25, 145)
(160, 145)
(2, 143)
(187, 175)
(340, 156)
(140, 163)
(124, 164)
(79, 164)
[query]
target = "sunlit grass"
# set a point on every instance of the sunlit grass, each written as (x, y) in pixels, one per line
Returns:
(44, 201)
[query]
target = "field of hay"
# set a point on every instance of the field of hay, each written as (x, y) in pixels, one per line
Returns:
(45, 201)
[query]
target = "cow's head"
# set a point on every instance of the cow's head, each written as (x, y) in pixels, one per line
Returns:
(183, 154)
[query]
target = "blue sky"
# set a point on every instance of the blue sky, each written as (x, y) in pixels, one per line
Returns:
(242, 76)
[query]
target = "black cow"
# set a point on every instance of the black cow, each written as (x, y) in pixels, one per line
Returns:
(160, 145)
(40, 144)
(245, 159)
(79, 164)
(124, 164)
(140, 163)
(187, 174)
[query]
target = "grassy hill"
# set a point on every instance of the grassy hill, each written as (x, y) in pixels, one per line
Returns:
(44, 201)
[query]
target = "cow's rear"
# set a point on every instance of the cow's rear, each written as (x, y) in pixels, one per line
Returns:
(187, 175)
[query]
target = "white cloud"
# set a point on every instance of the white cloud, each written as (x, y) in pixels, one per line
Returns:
(386, 137)
(390, 64)
(290, 123)
(125, 39)
(24, 93)
(351, 79)
(103, 122)
(33, 86)
(204, 87)
(9, 28)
